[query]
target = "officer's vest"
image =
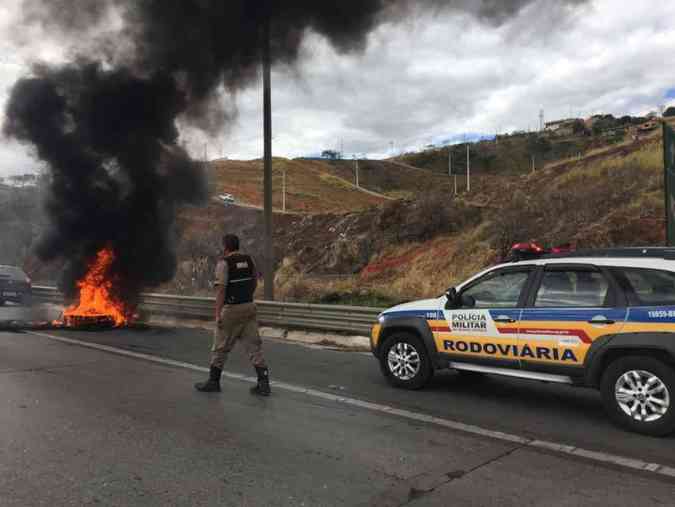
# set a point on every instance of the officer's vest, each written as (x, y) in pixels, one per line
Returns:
(240, 279)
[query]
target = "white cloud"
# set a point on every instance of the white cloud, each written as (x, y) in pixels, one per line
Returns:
(439, 76)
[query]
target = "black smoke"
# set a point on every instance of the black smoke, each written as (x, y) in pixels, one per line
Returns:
(117, 176)
(105, 123)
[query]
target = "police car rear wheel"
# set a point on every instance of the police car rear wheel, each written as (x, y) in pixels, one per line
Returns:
(405, 361)
(637, 393)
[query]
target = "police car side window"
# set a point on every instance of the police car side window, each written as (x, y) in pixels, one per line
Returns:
(501, 290)
(571, 288)
(651, 287)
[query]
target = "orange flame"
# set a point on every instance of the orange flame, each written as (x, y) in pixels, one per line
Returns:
(96, 299)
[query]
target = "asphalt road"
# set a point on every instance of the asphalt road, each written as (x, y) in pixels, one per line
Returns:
(568, 415)
(81, 426)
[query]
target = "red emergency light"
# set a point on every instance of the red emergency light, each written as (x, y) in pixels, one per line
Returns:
(532, 250)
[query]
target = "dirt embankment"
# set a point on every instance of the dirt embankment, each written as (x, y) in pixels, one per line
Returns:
(413, 249)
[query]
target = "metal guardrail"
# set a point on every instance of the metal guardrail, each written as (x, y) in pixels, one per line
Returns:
(352, 319)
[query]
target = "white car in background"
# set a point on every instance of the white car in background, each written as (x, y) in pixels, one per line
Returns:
(226, 199)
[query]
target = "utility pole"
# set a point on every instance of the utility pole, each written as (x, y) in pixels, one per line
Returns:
(206, 165)
(541, 120)
(267, 106)
(532, 157)
(283, 189)
(450, 161)
(356, 167)
(450, 167)
(468, 169)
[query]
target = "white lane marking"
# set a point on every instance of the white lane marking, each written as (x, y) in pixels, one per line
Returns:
(601, 457)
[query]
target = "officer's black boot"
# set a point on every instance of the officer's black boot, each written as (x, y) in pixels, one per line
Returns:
(213, 384)
(262, 388)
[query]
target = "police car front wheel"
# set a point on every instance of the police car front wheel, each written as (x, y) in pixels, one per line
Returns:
(405, 362)
(638, 392)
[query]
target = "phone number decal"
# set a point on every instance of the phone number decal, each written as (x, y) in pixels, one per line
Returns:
(661, 314)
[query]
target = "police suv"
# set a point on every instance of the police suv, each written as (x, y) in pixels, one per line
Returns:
(603, 319)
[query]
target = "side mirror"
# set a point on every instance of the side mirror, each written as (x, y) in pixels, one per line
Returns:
(451, 294)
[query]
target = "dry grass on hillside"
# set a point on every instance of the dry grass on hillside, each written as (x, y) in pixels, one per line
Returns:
(611, 202)
(616, 201)
(310, 187)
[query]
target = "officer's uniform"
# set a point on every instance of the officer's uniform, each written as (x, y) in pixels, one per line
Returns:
(238, 317)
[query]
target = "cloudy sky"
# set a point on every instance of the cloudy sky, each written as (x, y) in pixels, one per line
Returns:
(428, 80)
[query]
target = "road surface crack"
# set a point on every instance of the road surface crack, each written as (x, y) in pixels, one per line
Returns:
(459, 474)
(406, 491)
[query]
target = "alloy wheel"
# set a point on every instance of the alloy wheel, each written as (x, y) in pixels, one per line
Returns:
(404, 361)
(642, 395)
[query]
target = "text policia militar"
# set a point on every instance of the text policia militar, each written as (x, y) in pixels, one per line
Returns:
(469, 322)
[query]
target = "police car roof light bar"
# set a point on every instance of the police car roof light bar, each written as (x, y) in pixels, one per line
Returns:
(532, 250)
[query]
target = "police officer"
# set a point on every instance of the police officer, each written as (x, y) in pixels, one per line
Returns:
(236, 319)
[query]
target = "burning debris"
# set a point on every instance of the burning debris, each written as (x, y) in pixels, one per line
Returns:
(117, 178)
(106, 123)
(97, 304)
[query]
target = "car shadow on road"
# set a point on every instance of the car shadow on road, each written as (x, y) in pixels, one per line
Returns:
(540, 404)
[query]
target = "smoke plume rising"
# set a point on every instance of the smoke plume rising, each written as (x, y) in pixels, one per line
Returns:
(105, 123)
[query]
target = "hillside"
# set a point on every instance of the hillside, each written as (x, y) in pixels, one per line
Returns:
(390, 177)
(324, 186)
(414, 249)
(513, 153)
(311, 187)
(345, 245)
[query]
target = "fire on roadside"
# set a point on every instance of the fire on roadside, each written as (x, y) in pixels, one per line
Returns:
(97, 305)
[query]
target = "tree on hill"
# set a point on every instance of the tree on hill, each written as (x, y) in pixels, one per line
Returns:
(330, 154)
(604, 122)
(669, 112)
(579, 128)
(538, 145)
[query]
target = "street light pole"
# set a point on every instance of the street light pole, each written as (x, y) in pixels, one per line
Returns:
(267, 100)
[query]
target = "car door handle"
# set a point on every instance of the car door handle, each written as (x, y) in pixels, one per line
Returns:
(601, 320)
(502, 319)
